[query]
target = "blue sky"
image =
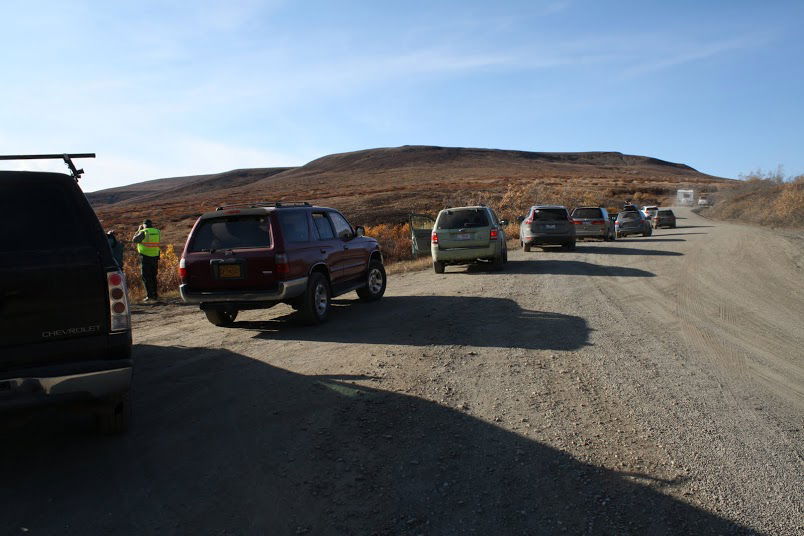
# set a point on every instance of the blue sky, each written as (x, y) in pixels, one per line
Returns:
(163, 89)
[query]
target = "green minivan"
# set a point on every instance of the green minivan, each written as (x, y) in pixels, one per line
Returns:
(460, 235)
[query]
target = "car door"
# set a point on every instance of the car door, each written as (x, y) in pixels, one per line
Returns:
(329, 246)
(355, 257)
(421, 230)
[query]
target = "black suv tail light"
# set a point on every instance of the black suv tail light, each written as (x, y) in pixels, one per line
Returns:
(120, 316)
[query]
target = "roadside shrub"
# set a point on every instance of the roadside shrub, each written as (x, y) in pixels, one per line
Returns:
(167, 279)
(763, 198)
(394, 241)
(519, 197)
(512, 230)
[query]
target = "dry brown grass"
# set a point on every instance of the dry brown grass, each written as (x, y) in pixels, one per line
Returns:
(765, 199)
(394, 241)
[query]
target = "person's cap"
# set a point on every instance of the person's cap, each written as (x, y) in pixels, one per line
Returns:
(110, 233)
(147, 223)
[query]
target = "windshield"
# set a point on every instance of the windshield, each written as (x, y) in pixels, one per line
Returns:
(587, 213)
(461, 219)
(665, 213)
(232, 232)
(549, 214)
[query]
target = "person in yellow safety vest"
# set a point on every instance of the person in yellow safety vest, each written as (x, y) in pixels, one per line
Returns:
(147, 240)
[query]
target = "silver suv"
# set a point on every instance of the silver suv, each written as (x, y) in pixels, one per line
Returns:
(461, 235)
(592, 222)
(547, 225)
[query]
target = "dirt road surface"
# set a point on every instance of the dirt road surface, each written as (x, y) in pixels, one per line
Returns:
(648, 386)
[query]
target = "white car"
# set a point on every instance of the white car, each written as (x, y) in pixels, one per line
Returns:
(649, 211)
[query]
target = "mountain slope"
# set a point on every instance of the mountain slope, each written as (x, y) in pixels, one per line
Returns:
(383, 185)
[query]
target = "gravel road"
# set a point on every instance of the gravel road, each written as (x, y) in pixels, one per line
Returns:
(647, 386)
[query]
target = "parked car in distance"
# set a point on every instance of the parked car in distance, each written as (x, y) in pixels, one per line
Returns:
(703, 201)
(592, 222)
(649, 211)
(664, 218)
(631, 222)
(65, 325)
(547, 225)
(463, 235)
(256, 256)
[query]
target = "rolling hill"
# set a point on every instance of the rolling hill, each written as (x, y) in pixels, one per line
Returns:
(384, 185)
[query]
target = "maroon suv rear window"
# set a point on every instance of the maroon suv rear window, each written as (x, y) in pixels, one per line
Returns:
(232, 232)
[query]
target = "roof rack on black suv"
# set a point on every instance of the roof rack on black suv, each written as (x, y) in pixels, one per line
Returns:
(67, 157)
(276, 204)
(65, 326)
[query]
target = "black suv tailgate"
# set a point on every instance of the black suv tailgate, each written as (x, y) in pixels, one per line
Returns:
(54, 306)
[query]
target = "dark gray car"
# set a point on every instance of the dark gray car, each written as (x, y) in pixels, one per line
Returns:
(631, 222)
(547, 225)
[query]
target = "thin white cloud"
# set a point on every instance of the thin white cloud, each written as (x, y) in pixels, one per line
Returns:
(686, 53)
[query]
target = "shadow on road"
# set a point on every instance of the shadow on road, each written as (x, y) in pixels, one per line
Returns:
(682, 234)
(616, 250)
(224, 443)
(422, 320)
(652, 239)
(538, 266)
(692, 226)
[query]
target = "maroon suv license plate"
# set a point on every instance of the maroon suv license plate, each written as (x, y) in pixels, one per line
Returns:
(229, 271)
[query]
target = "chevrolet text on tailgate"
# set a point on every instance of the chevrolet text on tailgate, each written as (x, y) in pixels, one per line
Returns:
(254, 256)
(65, 326)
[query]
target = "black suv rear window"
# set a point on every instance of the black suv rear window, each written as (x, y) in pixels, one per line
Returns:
(44, 216)
(550, 214)
(587, 213)
(629, 215)
(666, 213)
(460, 219)
(232, 232)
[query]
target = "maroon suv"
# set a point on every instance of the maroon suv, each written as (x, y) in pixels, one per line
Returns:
(255, 256)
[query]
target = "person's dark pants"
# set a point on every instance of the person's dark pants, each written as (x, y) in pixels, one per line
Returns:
(149, 266)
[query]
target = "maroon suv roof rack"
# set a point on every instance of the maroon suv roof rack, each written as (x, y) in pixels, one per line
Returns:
(67, 157)
(277, 204)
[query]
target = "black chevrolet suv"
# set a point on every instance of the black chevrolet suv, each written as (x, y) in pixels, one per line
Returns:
(65, 325)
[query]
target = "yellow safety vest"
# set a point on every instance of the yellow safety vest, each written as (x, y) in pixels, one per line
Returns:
(150, 244)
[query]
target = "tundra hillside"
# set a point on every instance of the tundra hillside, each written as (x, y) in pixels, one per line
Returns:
(763, 198)
(382, 186)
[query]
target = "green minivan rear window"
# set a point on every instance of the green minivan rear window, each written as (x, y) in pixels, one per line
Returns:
(463, 218)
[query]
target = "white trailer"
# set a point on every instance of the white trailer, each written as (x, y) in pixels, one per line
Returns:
(685, 198)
